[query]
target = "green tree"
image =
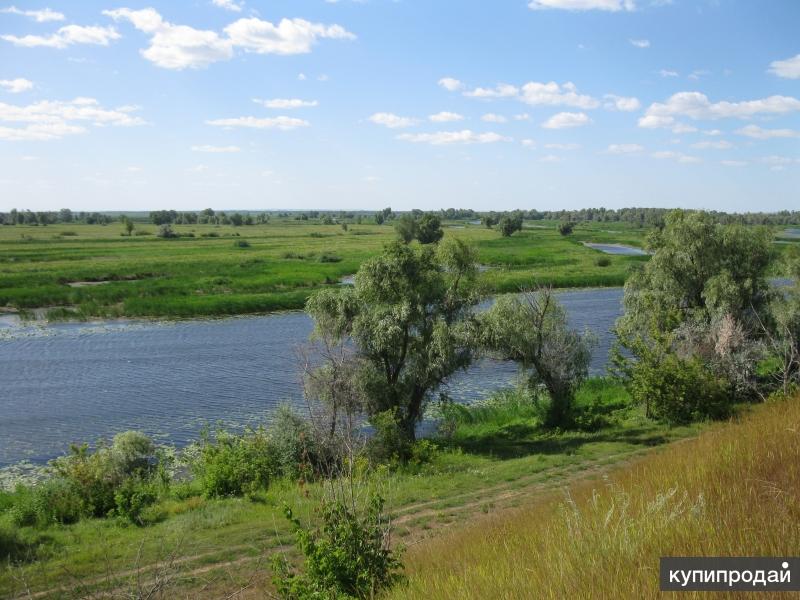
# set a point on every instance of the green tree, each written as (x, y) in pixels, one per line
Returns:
(532, 330)
(510, 224)
(406, 228)
(429, 229)
(705, 282)
(566, 227)
(411, 323)
(127, 225)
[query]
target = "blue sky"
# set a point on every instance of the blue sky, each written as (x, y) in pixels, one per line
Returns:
(548, 104)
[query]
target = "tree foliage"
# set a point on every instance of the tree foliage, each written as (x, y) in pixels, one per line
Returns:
(532, 329)
(409, 317)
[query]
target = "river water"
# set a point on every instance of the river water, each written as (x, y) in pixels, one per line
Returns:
(75, 382)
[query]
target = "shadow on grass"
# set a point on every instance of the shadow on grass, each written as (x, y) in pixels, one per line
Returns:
(524, 439)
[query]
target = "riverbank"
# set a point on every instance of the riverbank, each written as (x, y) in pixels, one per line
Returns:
(79, 271)
(497, 459)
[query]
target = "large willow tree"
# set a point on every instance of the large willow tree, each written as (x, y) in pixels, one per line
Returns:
(410, 319)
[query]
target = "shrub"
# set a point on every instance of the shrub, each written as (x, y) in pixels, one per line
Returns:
(52, 501)
(241, 244)
(165, 231)
(388, 443)
(210, 234)
(566, 227)
(677, 390)
(297, 453)
(328, 257)
(347, 557)
(133, 496)
(96, 476)
(232, 465)
(603, 261)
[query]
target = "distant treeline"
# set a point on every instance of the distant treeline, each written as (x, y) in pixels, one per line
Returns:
(642, 217)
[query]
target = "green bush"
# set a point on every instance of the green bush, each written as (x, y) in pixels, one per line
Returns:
(50, 502)
(232, 465)
(603, 261)
(388, 443)
(241, 244)
(297, 452)
(347, 557)
(677, 390)
(328, 257)
(133, 496)
(96, 476)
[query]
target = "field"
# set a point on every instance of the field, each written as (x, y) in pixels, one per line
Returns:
(81, 271)
(502, 459)
(733, 491)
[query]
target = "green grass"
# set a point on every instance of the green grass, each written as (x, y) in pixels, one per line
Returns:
(732, 491)
(499, 458)
(210, 274)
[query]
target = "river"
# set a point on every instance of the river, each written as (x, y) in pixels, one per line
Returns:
(71, 382)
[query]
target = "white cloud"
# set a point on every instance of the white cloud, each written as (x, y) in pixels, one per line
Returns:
(624, 149)
(537, 94)
(66, 36)
(562, 146)
(450, 84)
(494, 118)
(683, 128)
(550, 158)
(502, 90)
(174, 46)
(789, 68)
(522, 117)
(609, 5)
(566, 119)
(733, 163)
(528, 143)
(282, 123)
(717, 145)
(446, 117)
(180, 46)
(779, 160)
(227, 5)
(640, 43)
(551, 94)
(40, 16)
(290, 36)
(621, 103)
(454, 137)
(698, 73)
(216, 149)
(392, 120)
(50, 119)
(697, 106)
(754, 131)
(16, 86)
(677, 156)
(668, 73)
(286, 103)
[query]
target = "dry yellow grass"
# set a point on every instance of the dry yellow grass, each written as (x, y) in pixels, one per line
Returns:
(733, 491)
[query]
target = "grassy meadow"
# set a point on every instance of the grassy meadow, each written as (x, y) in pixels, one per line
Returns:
(732, 491)
(82, 271)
